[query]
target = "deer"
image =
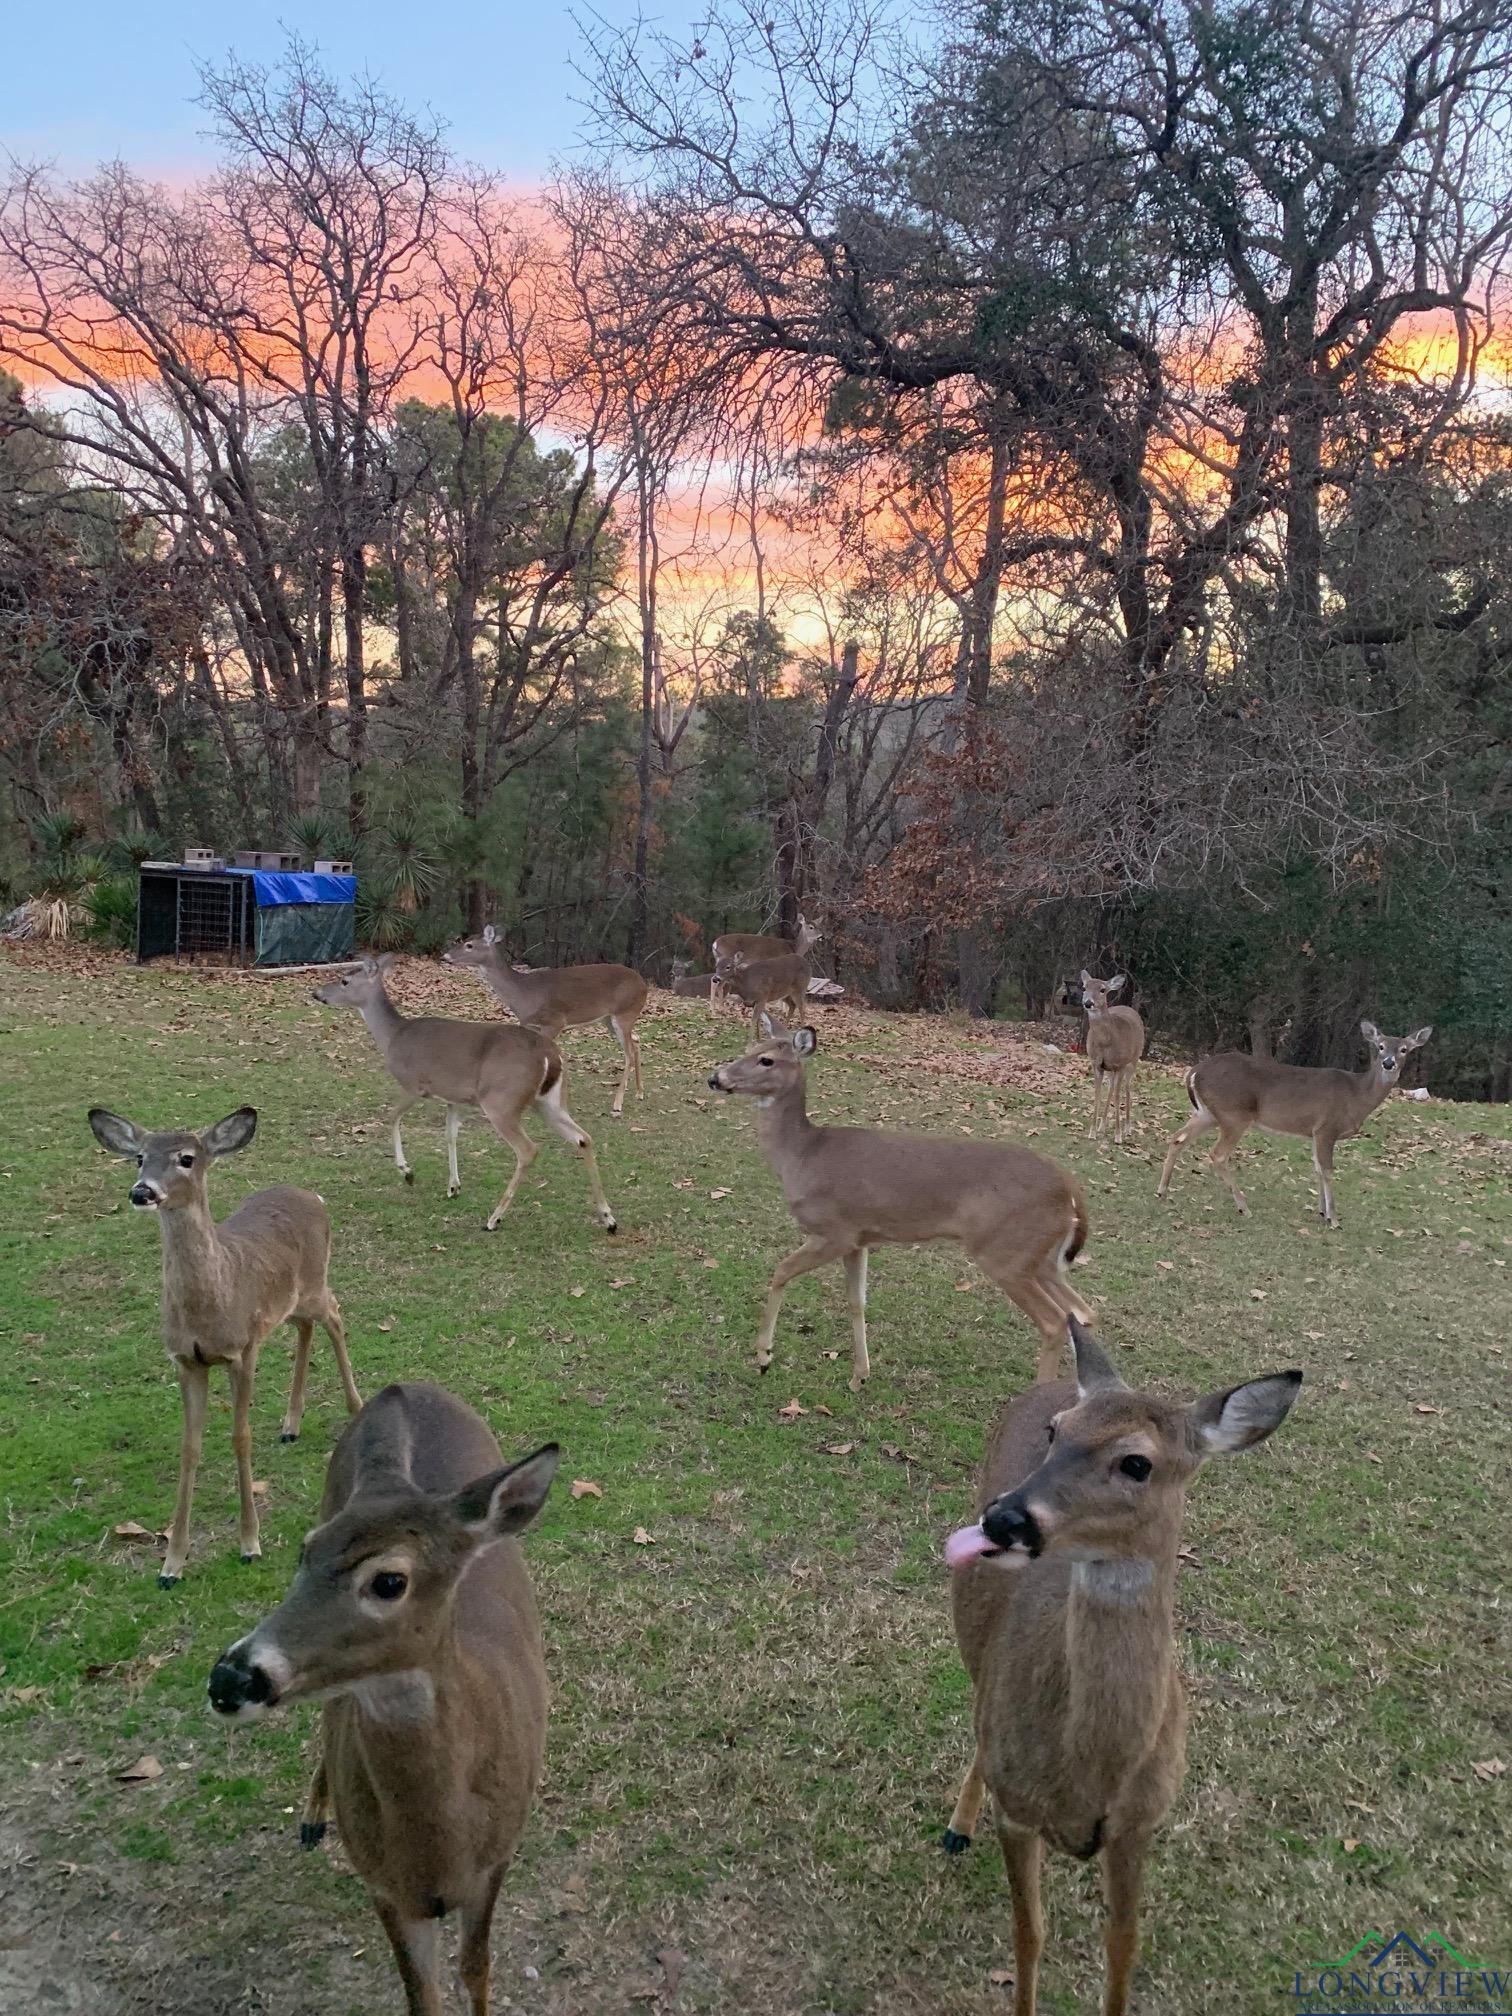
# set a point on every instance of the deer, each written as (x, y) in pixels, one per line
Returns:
(688, 985)
(411, 1615)
(1063, 1597)
(554, 998)
(226, 1288)
(1233, 1093)
(500, 1068)
(763, 984)
(1019, 1217)
(1115, 1044)
(739, 947)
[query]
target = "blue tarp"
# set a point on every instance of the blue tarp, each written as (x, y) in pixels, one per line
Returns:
(270, 891)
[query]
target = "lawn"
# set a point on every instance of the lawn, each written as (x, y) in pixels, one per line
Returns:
(759, 1719)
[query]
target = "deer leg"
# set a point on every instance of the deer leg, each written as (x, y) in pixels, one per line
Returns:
(1200, 1122)
(1323, 1162)
(317, 1808)
(242, 1372)
(815, 1252)
(194, 1384)
(1123, 1870)
(417, 1955)
(507, 1127)
(623, 1036)
(553, 1111)
(855, 1293)
(394, 1118)
(1121, 1105)
(1099, 1079)
(1021, 1858)
(304, 1337)
(332, 1324)
(1228, 1140)
(453, 1123)
(1029, 1293)
(477, 1922)
(968, 1810)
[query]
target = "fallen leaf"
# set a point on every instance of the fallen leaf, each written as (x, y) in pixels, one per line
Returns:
(25, 1695)
(388, 1325)
(642, 1538)
(577, 1291)
(792, 1410)
(716, 1194)
(130, 1530)
(142, 1772)
(828, 1411)
(1001, 1977)
(1423, 1407)
(845, 1448)
(623, 1281)
(584, 1487)
(1489, 1768)
(711, 1263)
(1350, 1843)
(1166, 1266)
(1258, 1294)
(259, 1487)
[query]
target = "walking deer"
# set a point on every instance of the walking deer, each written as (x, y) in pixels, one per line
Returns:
(850, 1188)
(226, 1287)
(500, 1069)
(1063, 1596)
(554, 998)
(1233, 1093)
(764, 984)
(412, 1616)
(1115, 1044)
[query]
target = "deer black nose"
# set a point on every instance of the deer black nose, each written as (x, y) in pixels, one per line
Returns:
(143, 1194)
(714, 1084)
(1009, 1523)
(235, 1683)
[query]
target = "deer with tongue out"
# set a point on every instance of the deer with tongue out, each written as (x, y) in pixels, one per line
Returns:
(1063, 1596)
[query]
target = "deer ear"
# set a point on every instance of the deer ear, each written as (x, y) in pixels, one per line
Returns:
(234, 1132)
(369, 965)
(1094, 1368)
(1117, 982)
(505, 1501)
(805, 1042)
(490, 935)
(1086, 978)
(1370, 1032)
(121, 1137)
(1420, 1036)
(1226, 1422)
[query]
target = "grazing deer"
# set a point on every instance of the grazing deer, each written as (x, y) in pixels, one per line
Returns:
(764, 984)
(849, 1188)
(688, 985)
(225, 1289)
(1115, 1044)
(501, 1070)
(1233, 1093)
(554, 998)
(412, 1615)
(740, 947)
(1063, 1596)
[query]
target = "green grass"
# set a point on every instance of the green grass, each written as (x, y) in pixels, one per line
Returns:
(759, 1722)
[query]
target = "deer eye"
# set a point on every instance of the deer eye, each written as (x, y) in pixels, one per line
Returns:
(1137, 1467)
(768, 1061)
(388, 1585)
(140, 1160)
(186, 1161)
(1049, 1431)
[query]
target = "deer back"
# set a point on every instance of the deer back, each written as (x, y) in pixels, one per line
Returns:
(1285, 1098)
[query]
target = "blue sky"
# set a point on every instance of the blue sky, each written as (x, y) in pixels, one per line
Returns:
(82, 82)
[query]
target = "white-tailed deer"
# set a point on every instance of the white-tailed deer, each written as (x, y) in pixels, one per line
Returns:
(501, 1069)
(849, 1188)
(765, 984)
(1063, 1597)
(225, 1288)
(1115, 1044)
(740, 947)
(554, 998)
(688, 985)
(412, 1615)
(1233, 1093)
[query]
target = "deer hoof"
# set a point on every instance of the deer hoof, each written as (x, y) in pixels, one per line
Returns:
(289, 1435)
(953, 1843)
(311, 1833)
(248, 1559)
(409, 1175)
(454, 1189)
(611, 1225)
(169, 1581)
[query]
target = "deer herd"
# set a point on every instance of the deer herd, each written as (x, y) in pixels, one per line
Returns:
(411, 1614)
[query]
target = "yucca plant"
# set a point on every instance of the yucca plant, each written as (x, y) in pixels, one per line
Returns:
(407, 866)
(110, 905)
(379, 923)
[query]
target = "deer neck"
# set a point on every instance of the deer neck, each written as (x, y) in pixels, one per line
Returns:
(195, 1263)
(1119, 1656)
(383, 1019)
(783, 1126)
(513, 989)
(1370, 1089)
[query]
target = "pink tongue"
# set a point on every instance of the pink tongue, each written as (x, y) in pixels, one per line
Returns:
(967, 1545)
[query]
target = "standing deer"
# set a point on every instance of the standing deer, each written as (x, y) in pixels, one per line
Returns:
(413, 1616)
(740, 947)
(1063, 1597)
(1115, 1044)
(225, 1288)
(554, 998)
(1233, 1093)
(764, 984)
(501, 1070)
(849, 1188)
